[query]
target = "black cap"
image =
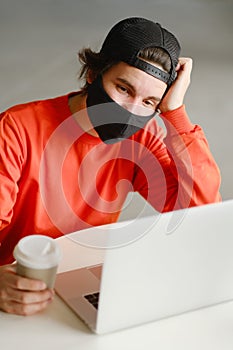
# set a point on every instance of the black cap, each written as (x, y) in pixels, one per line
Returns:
(129, 36)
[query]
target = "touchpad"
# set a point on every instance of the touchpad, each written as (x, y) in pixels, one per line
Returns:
(96, 270)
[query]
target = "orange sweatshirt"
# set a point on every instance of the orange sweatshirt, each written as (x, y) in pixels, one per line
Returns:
(56, 179)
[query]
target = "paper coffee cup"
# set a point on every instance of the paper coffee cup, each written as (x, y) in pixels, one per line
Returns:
(37, 257)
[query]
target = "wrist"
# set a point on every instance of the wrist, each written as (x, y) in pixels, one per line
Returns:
(177, 119)
(170, 107)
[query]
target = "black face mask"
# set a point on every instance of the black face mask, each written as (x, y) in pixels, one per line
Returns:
(112, 122)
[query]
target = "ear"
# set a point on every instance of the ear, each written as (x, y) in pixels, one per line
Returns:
(90, 77)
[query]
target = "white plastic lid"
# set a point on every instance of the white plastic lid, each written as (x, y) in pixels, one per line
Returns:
(37, 251)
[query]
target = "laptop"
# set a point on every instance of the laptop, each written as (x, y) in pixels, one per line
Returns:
(154, 267)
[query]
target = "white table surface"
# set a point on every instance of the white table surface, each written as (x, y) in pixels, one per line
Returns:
(59, 328)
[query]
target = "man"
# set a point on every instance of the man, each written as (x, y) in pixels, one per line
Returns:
(68, 163)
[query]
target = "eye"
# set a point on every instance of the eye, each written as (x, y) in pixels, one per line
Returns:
(150, 103)
(122, 89)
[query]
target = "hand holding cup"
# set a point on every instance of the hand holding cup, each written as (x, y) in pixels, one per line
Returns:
(25, 287)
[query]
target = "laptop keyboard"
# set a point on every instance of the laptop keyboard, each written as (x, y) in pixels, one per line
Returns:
(93, 299)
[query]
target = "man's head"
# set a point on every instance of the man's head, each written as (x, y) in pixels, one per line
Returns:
(138, 42)
(128, 78)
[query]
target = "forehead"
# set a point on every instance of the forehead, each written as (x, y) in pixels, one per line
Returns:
(138, 79)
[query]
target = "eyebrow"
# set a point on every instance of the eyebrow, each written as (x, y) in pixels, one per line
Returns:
(124, 81)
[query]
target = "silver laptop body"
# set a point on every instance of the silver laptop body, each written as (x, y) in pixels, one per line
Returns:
(169, 264)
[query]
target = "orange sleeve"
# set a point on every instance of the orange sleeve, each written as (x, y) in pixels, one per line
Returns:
(11, 162)
(187, 174)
